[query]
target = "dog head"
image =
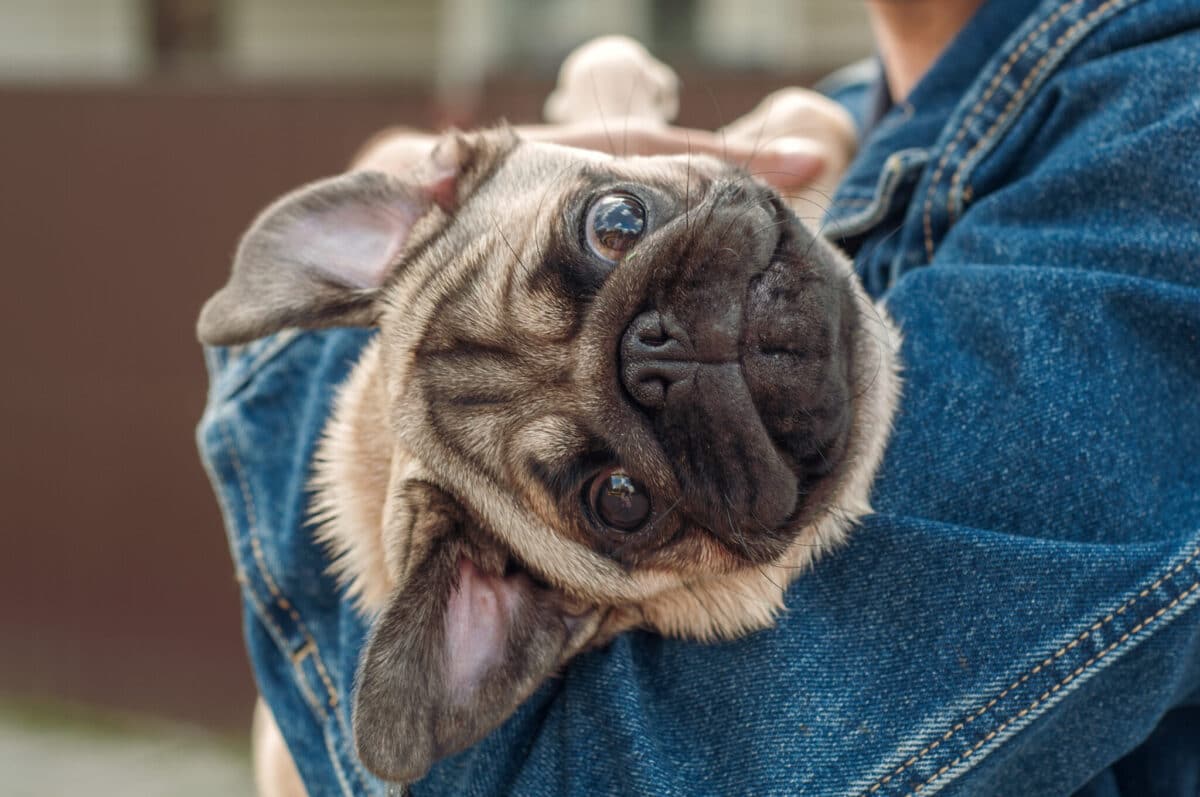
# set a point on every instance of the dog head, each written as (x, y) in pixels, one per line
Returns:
(597, 383)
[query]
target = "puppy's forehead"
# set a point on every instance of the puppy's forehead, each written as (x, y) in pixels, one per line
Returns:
(543, 167)
(513, 220)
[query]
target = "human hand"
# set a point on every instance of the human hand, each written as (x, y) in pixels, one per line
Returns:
(790, 164)
(786, 162)
(796, 114)
(795, 139)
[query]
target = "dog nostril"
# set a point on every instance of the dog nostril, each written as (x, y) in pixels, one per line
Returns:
(655, 338)
(655, 355)
(648, 328)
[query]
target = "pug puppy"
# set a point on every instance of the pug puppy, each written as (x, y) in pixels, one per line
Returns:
(606, 393)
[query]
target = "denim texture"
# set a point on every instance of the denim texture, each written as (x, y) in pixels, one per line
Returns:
(1019, 616)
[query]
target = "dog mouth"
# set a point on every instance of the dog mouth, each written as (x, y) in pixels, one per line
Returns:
(744, 367)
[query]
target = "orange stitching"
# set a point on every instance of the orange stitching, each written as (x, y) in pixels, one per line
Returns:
(305, 650)
(260, 559)
(970, 117)
(251, 515)
(333, 695)
(336, 760)
(244, 581)
(1072, 676)
(313, 701)
(1096, 626)
(956, 180)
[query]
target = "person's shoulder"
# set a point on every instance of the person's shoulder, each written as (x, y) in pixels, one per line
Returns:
(1122, 66)
(1143, 30)
(1127, 89)
(1090, 162)
(1148, 47)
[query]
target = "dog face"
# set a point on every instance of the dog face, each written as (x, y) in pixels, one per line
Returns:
(649, 361)
(597, 381)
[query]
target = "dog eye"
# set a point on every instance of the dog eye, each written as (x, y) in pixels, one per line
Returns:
(613, 225)
(617, 500)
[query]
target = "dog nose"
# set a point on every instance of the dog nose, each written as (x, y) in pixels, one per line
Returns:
(655, 354)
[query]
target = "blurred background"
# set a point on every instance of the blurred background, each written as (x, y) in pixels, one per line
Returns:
(137, 139)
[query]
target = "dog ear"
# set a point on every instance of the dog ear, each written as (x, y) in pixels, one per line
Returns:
(460, 645)
(319, 256)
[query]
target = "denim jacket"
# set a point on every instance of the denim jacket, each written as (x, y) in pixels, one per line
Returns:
(1019, 617)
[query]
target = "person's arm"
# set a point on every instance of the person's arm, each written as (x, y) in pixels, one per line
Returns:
(784, 161)
(1021, 612)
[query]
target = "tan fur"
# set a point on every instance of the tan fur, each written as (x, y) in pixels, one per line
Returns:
(701, 597)
(353, 465)
(350, 494)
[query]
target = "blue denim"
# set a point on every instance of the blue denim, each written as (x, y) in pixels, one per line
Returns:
(1019, 616)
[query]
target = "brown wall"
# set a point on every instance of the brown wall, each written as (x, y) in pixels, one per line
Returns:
(119, 209)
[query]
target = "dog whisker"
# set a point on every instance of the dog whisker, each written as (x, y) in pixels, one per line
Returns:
(600, 108)
(737, 528)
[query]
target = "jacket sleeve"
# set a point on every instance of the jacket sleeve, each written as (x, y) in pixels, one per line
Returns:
(1020, 613)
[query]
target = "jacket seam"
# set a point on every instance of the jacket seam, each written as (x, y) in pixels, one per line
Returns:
(1091, 630)
(315, 704)
(261, 563)
(896, 170)
(274, 630)
(965, 126)
(988, 137)
(1074, 674)
(239, 377)
(280, 638)
(310, 646)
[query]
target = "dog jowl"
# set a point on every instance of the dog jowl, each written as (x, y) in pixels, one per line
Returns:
(605, 393)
